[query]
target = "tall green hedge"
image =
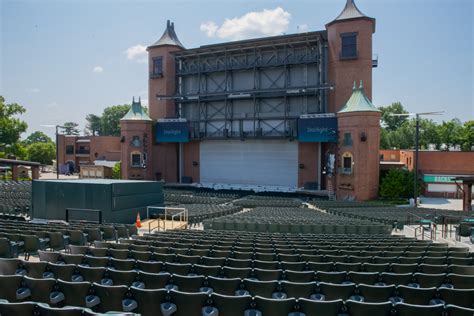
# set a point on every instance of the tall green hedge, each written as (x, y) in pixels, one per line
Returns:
(398, 183)
(116, 171)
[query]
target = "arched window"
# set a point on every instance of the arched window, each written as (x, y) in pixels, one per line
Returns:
(347, 163)
(136, 159)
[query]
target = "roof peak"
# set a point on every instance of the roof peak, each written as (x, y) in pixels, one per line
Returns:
(350, 11)
(169, 37)
(136, 112)
(358, 101)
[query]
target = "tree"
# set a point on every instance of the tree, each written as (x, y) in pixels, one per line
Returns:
(70, 128)
(398, 183)
(116, 171)
(467, 136)
(41, 152)
(393, 122)
(450, 133)
(110, 120)
(11, 127)
(37, 137)
(94, 125)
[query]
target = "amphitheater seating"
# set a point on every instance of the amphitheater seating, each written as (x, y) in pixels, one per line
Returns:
(15, 198)
(192, 272)
(200, 212)
(396, 216)
(251, 201)
(173, 197)
(28, 238)
(294, 220)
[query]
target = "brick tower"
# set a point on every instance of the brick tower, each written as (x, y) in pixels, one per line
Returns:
(349, 59)
(162, 81)
(136, 137)
(358, 147)
(350, 54)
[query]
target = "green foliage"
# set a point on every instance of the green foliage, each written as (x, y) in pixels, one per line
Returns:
(390, 121)
(70, 128)
(94, 125)
(398, 183)
(37, 137)
(11, 127)
(110, 119)
(398, 132)
(467, 136)
(108, 124)
(116, 171)
(41, 152)
(450, 132)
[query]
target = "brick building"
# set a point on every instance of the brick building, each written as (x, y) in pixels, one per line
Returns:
(279, 113)
(84, 150)
(437, 168)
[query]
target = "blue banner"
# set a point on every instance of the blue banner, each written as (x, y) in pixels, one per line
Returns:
(319, 130)
(172, 132)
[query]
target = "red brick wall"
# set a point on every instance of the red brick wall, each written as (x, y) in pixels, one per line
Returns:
(441, 162)
(105, 146)
(390, 155)
(165, 85)
(191, 154)
(128, 130)
(343, 73)
(165, 160)
(308, 154)
(363, 183)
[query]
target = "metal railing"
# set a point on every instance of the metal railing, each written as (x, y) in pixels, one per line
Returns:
(427, 228)
(177, 216)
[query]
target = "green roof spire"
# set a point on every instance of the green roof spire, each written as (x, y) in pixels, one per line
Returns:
(136, 112)
(358, 102)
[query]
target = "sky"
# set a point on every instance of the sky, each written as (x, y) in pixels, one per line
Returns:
(65, 59)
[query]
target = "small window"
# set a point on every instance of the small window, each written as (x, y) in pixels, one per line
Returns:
(136, 160)
(347, 163)
(157, 67)
(69, 150)
(349, 45)
(136, 141)
(347, 139)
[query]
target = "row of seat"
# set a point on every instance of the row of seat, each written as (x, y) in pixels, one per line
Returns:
(294, 220)
(281, 254)
(200, 212)
(233, 285)
(389, 214)
(264, 260)
(265, 237)
(313, 244)
(102, 298)
(252, 201)
(28, 241)
(99, 267)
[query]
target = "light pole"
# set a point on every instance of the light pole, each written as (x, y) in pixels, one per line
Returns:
(417, 140)
(57, 146)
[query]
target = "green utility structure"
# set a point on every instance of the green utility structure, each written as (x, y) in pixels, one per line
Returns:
(117, 200)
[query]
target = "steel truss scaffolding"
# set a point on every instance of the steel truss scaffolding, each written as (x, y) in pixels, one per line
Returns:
(252, 89)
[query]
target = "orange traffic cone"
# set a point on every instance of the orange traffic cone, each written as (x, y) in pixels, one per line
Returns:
(138, 223)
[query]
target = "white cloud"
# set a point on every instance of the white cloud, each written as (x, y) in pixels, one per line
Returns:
(137, 53)
(33, 90)
(253, 24)
(303, 28)
(209, 27)
(98, 69)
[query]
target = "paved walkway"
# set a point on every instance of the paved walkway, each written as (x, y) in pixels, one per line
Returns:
(442, 203)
